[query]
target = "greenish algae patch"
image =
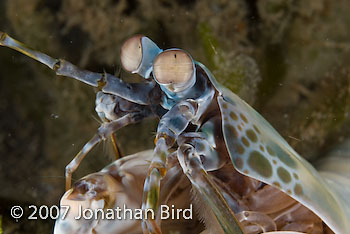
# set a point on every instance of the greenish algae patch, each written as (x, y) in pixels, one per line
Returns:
(231, 76)
(209, 43)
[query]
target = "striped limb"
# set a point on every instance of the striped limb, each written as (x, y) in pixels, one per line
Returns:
(172, 124)
(151, 190)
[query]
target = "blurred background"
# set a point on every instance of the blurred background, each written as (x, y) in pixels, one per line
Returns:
(289, 59)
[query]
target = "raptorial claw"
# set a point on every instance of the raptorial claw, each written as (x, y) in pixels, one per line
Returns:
(193, 168)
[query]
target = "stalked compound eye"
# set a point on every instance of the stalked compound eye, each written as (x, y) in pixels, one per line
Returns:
(131, 53)
(137, 55)
(174, 69)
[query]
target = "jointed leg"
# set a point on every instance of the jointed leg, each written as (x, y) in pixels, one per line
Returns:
(151, 190)
(203, 147)
(115, 147)
(172, 124)
(103, 132)
(192, 166)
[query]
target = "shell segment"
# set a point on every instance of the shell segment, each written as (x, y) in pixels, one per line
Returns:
(258, 151)
(270, 159)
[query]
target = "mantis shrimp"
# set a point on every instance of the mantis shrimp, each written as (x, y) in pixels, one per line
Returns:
(208, 130)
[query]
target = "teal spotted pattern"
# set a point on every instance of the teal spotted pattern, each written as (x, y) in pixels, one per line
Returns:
(290, 172)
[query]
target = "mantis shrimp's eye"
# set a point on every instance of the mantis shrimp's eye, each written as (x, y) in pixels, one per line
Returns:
(174, 69)
(131, 53)
(137, 55)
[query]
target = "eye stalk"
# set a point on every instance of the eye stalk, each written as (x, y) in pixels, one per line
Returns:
(174, 69)
(137, 55)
